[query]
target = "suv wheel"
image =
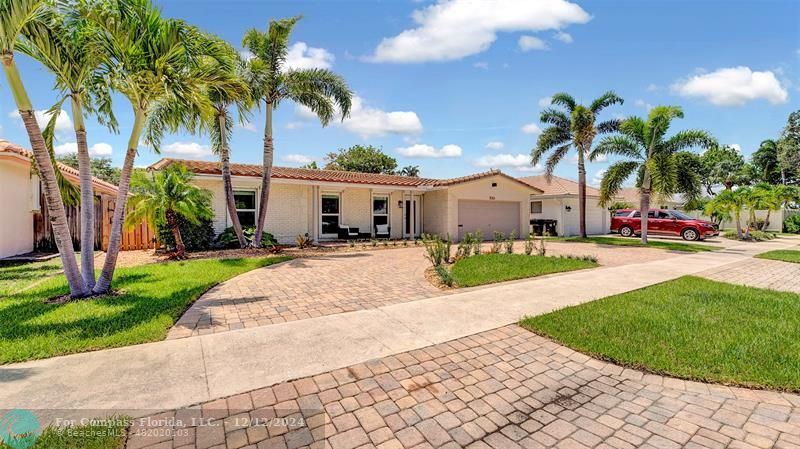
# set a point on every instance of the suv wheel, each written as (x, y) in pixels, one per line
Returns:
(690, 234)
(626, 231)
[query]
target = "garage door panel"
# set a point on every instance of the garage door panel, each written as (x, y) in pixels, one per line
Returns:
(488, 216)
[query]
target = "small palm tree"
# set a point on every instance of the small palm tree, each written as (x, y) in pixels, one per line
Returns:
(163, 196)
(412, 171)
(576, 127)
(766, 197)
(67, 49)
(730, 205)
(155, 64)
(15, 18)
(652, 157)
(320, 90)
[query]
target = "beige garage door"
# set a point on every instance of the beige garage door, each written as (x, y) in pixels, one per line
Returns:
(488, 216)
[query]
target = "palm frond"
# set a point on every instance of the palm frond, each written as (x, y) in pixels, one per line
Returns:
(555, 117)
(663, 173)
(620, 145)
(554, 159)
(607, 99)
(321, 90)
(608, 126)
(550, 138)
(687, 139)
(564, 99)
(613, 179)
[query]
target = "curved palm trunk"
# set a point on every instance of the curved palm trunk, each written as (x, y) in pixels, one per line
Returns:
(582, 194)
(47, 173)
(644, 204)
(265, 178)
(172, 221)
(115, 239)
(87, 193)
(738, 216)
(225, 157)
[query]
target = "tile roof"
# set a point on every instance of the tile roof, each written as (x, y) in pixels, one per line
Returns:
(307, 174)
(72, 174)
(557, 186)
(631, 195)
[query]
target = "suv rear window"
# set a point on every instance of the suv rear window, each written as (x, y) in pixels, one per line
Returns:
(622, 213)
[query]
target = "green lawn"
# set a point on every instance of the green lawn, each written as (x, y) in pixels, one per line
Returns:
(15, 276)
(691, 328)
(784, 255)
(617, 241)
(489, 268)
(151, 299)
(100, 434)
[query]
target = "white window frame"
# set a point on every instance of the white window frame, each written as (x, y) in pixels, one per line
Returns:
(386, 197)
(322, 214)
(254, 210)
(541, 207)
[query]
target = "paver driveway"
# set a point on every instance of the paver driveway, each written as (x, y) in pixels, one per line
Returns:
(344, 282)
(505, 388)
(761, 273)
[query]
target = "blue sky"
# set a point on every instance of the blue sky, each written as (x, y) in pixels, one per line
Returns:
(457, 86)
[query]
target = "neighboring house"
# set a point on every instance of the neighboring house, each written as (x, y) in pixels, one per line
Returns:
(631, 195)
(25, 224)
(320, 202)
(556, 208)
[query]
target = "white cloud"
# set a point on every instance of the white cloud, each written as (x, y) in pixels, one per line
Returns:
(294, 125)
(453, 29)
(481, 65)
(519, 162)
(368, 121)
(247, 126)
(495, 145)
(652, 87)
(422, 150)
(301, 56)
(191, 149)
(733, 86)
(736, 147)
(531, 128)
(643, 104)
(545, 102)
(98, 149)
(528, 43)
(597, 178)
(304, 112)
(297, 159)
(63, 122)
(564, 37)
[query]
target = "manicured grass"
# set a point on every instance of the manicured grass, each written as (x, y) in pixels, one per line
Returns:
(15, 276)
(100, 434)
(151, 299)
(672, 246)
(691, 328)
(784, 255)
(489, 268)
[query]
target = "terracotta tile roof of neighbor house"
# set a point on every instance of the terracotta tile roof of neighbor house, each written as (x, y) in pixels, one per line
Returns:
(558, 186)
(71, 174)
(308, 174)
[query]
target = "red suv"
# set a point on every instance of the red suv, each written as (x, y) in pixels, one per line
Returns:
(628, 222)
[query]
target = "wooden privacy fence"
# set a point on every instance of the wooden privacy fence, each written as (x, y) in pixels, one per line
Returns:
(141, 236)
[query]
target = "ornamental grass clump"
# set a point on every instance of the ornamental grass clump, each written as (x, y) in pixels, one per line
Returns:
(509, 244)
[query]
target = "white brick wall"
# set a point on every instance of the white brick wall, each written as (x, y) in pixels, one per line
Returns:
(357, 209)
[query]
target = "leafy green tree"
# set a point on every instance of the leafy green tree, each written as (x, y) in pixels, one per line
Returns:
(723, 165)
(165, 196)
(574, 127)
(322, 91)
(311, 165)
(765, 162)
(361, 158)
(652, 156)
(730, 205)
(154, 63)
(411, 171)
(101, 167)
(17, 19)
(789, 150)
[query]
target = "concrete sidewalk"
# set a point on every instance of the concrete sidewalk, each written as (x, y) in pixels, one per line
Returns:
(176, 373)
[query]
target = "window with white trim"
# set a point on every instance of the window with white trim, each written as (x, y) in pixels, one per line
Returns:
(330, 213)
(536, 207)
(380, 210)
(245, 201)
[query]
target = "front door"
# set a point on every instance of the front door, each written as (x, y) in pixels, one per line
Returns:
(411, 222)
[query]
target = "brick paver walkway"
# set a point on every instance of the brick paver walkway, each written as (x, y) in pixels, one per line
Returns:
(505, 388)
(344, 282)
(762, 273)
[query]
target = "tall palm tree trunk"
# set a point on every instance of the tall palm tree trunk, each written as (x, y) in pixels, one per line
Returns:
(225, 156)
(172, 221)
(115, 239)
(644, 204)
(87, 192)
(47, 173)
(738, 217)
(582, 194)
(265, 178)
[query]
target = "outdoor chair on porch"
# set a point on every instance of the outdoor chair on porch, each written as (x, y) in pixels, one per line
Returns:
(347, 232)
(383, 231)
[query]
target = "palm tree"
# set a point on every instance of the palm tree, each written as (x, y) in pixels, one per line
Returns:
(412, 171)
(320, 90)
(164, 196)
(730, 204)
(766, 197)
(66, 49)
(652, 157)
(154, 63)
(227, 87)
(15, 18)
(576, 127)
